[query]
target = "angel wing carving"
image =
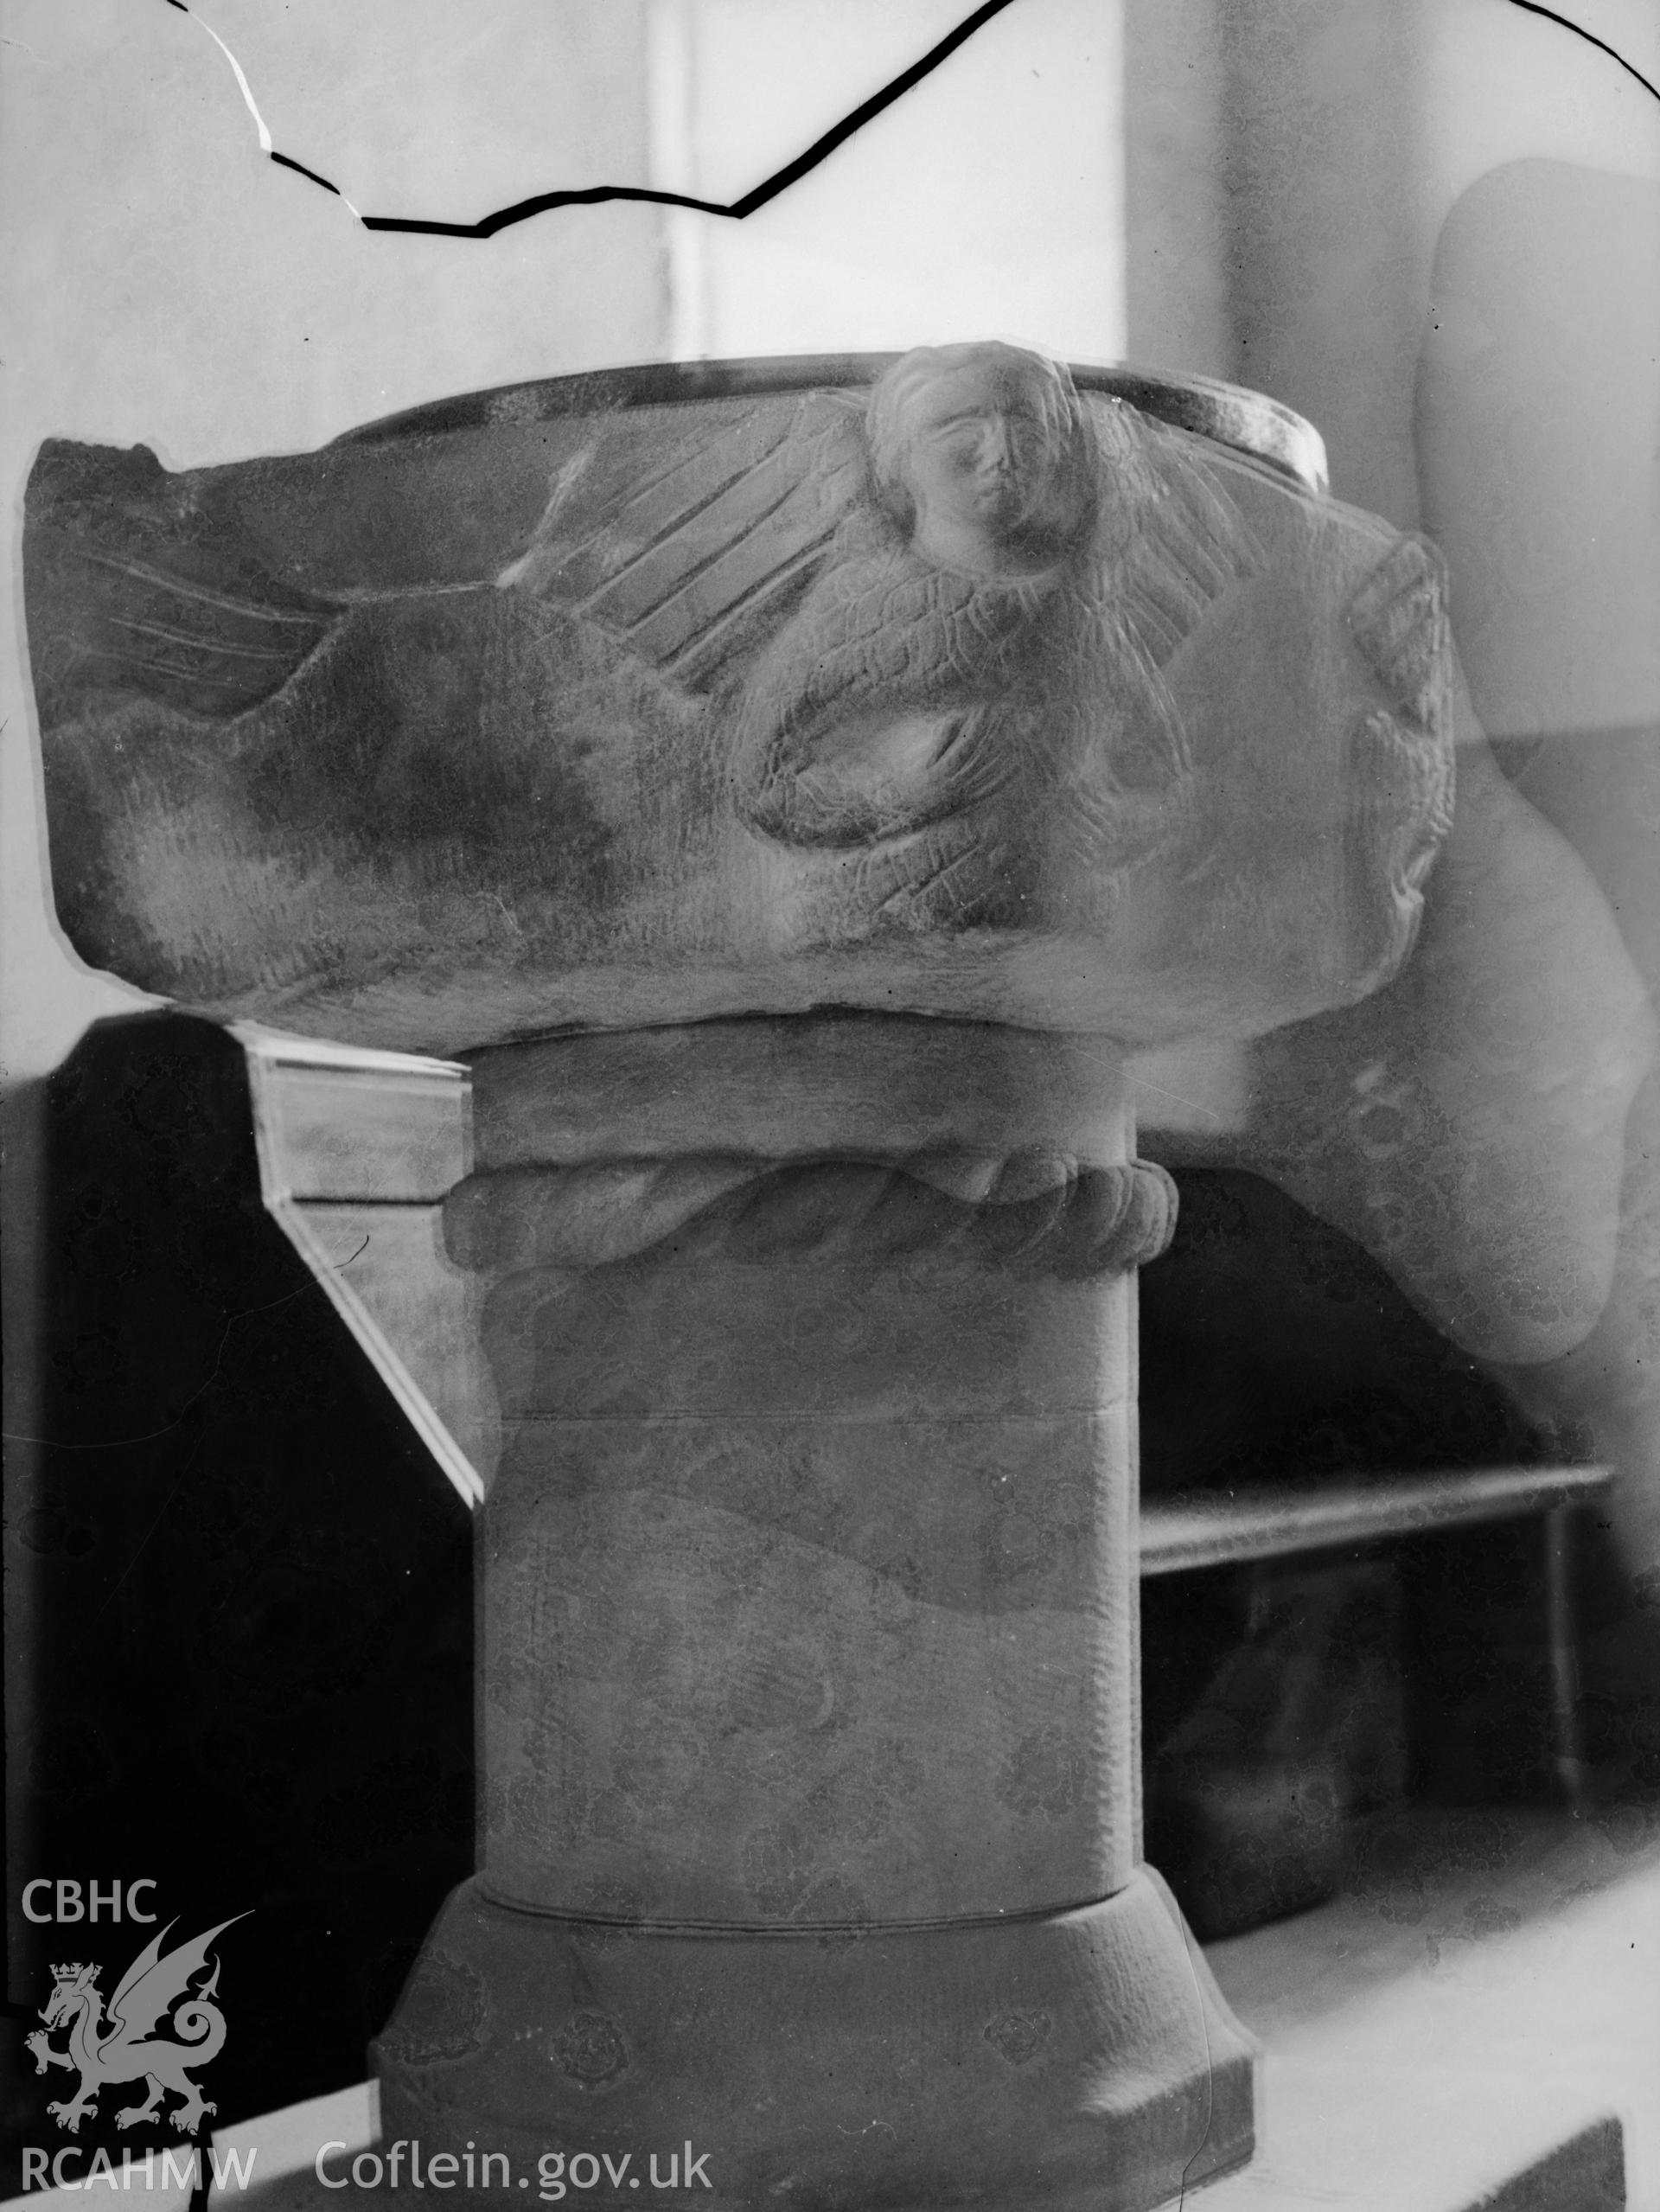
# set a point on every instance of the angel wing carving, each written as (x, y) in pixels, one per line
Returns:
(137, 590)
(1171, 541)
(684, 535)
(450, 642)
(686, 553)
(668, 529)
(1001, 612)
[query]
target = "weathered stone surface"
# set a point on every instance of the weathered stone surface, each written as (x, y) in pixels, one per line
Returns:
(807, 1720)
(952, 734)
(976, 694)
(1081, 2061)
(808, 1597)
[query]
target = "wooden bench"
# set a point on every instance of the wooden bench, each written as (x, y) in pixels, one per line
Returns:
(1184, 1532)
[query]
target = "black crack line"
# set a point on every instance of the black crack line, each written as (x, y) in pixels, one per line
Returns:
(1532, 8)
(594, 195)
(288, 162)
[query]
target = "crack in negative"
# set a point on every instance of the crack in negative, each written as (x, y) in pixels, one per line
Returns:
(594, 195)
(1532, 8)
(792, 172)
(781, 180)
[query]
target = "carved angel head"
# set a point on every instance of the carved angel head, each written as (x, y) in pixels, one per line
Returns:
(981, 454)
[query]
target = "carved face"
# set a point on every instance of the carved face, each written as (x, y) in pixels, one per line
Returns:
(988, 465)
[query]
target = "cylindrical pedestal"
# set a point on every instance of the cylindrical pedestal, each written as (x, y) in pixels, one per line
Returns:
(807, 1696)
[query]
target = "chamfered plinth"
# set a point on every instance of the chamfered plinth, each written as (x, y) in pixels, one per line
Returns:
(1079, 2062)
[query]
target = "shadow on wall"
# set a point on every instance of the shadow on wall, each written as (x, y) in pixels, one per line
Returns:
(1538, 424)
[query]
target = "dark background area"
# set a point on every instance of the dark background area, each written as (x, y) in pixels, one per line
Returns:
(1276, 1352)
(240, 1597)
(1294, 1707)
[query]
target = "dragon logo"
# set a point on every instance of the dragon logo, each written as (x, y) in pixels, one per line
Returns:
(122, 2046)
